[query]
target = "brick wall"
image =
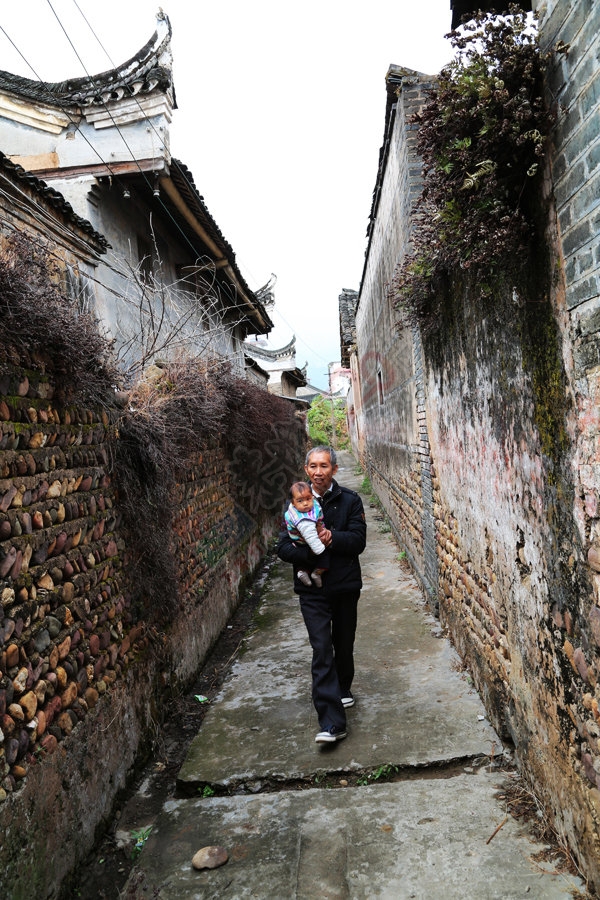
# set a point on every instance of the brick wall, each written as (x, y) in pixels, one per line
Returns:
(388, 386)
(483, 446)
(83, 676)
(512, 419)
(574, 87)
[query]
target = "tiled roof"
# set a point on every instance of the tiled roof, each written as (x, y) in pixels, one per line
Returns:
(139, 75)
(256, 350)
(52, 198)
(347, 301)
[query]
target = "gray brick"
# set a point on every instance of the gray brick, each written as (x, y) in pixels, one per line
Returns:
(558, 83)
(586, 356)
(571, 269)
(551, 27)
(581, 15)
(590, 96)
(581, 291)
(566, 187)
(559, 166)
(589, 322)
(586, 262)
(575, 84)
(565, 218)
(577, 237)
(584, 40)
(587, 198)
(566, 126)
(592, 158)
(582, 138)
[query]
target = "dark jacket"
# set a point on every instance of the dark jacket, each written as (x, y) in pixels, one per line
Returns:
(345, 517)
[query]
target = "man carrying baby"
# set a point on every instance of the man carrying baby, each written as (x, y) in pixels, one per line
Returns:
(330, 611)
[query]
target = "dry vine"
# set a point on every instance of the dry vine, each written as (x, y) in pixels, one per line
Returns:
(192, 402)
(45, 328)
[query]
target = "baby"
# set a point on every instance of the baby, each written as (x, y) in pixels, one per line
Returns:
(301, 518)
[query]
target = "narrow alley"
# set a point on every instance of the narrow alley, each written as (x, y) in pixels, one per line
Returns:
(412, 805)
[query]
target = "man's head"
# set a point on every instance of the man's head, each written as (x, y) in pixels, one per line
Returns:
(302, 497)
(321, 466)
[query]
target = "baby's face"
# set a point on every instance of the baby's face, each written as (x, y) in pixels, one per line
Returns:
(303, 502)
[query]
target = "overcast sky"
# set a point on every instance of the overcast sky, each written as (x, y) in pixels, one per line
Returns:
(280, 119)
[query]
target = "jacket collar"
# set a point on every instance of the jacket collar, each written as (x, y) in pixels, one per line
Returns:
(333, 490)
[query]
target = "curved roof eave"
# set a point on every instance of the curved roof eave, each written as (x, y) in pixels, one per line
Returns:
(149, 67)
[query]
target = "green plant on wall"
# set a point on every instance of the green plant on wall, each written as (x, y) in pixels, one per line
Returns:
(327, 423)
(482, 138)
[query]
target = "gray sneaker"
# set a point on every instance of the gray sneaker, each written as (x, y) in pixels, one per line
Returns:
(348, 700)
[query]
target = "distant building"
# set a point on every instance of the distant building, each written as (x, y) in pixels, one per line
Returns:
(310, 392)
(339, 379)
(285, 377)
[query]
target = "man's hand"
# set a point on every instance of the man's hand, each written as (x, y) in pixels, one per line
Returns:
(325, 535)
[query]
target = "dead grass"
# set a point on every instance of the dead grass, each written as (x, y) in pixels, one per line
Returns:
(523, 805)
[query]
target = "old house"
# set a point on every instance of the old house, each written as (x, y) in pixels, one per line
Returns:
(170, 279)
(480, 437)
(285, 377)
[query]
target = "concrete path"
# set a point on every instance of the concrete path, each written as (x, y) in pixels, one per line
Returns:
(403, 808)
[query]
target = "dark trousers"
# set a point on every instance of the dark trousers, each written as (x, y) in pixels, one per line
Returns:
(331, 626)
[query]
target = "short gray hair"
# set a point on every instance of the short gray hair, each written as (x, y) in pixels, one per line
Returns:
(330, 450)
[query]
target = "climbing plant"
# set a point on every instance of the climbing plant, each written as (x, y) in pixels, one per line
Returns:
(482, 137)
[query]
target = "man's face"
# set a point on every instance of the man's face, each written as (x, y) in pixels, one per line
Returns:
(320, 471)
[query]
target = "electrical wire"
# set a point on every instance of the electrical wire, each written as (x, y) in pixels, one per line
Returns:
(116, 126)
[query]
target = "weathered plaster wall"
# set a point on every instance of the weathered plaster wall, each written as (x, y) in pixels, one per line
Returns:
(391, 435)
(512, 568)
(510, 408)
(512, 396)
(83, 675)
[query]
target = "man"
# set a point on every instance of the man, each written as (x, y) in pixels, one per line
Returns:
(330, 612)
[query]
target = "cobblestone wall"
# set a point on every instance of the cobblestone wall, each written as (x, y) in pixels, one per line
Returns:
(82, 676)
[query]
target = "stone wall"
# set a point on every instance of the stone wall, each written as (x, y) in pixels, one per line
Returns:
(83, 674)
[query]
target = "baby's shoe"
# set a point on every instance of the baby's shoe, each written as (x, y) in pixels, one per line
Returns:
(304, 578)
(316, 579)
